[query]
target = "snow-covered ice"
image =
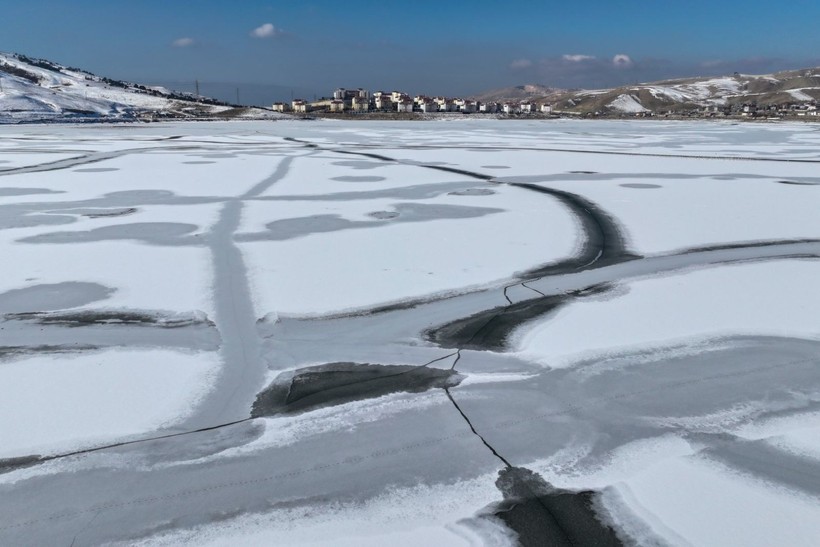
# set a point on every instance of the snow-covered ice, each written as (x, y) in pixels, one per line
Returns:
(359, 333)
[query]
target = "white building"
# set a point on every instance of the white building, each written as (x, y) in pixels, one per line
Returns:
(429, 106)
(383, 101)
(281, 107)
(509, 108)
(337, 105)
(445, 104)
(300, 105)
(526, 107)
(469, 107)
(361, 104)
(490, 108)
(404, 105)
(546, 108)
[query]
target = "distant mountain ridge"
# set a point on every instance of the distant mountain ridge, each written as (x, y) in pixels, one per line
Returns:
(40, 90)
(675, 95)
(518, 93)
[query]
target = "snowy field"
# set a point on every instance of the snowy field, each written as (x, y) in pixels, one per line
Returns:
(465, 332)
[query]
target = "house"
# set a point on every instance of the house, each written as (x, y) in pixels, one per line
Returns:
(404, 105)
(748, 110)
(469, 107)
(427, 106)
(300, 105)
(509, 108)
(383, 101)
(526, 107)
(281, 107)
(546, 108)
(361, 104)
(490, 108)
(337, 105)
(397, 96)
(347, 95)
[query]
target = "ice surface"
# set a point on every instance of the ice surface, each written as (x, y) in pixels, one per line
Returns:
(70, 401)
(740, 299)
(629, 308)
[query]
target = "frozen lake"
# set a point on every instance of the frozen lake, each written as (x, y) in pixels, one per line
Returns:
(470, 332)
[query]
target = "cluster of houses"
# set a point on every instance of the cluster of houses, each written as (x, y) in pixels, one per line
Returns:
(360, 100)
(744, 110)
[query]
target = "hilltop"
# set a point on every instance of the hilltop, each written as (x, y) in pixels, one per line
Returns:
(684, 95)
(40, 90)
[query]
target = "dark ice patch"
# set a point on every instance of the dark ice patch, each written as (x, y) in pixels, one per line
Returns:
(56, 296)
(153, 233)
(203, 162)
(104, 213)
(495, 166)
(473, 192)
(26, 191)
(640, 185)
(417, 191)
(584, 172)
(798, 183)
(289, 228)
(88, 318)
(491, 329)
(359, 164)
(23, 351)
(337, 383)
(541, 514)
(358, 179)
(13, 464)
(23, 220)
(383, 215)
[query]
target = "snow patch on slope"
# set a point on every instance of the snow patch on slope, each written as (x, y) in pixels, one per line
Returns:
(627, 103)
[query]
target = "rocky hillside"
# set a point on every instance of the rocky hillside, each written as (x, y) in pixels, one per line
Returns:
(796, 86)
(519, 93)
(40, 90)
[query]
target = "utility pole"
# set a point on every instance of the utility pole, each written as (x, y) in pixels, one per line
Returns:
(197, 89)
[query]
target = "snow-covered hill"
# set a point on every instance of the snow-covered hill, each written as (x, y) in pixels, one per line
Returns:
(782, 88)
(40, 90)
(800, 86)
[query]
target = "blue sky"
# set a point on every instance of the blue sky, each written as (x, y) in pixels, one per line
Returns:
(455, 47)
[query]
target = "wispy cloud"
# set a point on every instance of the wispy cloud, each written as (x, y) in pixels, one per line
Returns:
(623, 69)
(578, 58)
(183, 42)
(265, 31)
(520, 64)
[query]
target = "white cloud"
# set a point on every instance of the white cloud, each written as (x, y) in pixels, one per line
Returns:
(183, 42)
(265, 31)
(622, 60)
(577, 58)
(519, 64)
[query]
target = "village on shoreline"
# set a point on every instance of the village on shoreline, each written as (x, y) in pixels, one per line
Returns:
(362, 101)
(400, 105)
